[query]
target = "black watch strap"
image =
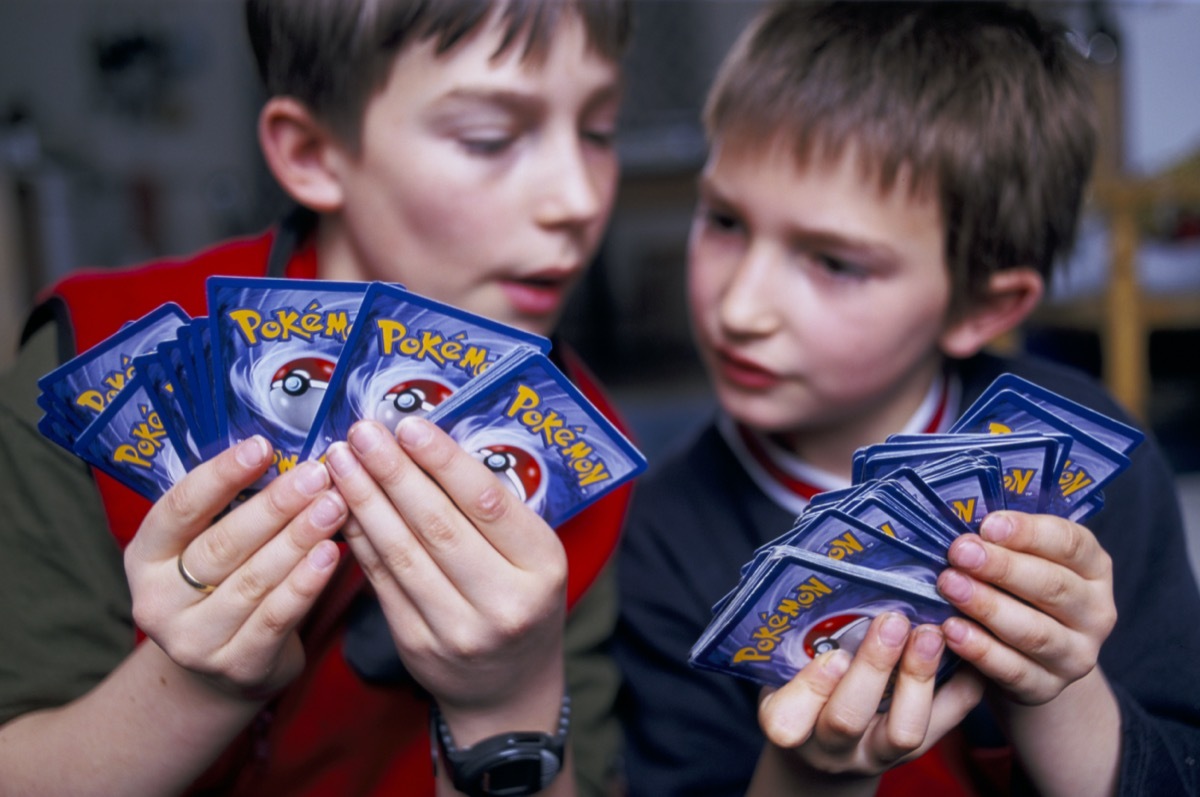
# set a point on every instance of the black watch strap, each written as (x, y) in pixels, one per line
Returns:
(506, 765)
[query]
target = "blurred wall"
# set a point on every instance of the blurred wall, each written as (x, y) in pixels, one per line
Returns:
(127, 132)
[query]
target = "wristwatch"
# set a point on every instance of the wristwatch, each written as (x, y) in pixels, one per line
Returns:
(506, 765)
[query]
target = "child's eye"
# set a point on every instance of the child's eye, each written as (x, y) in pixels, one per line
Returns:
(721, 221)
(486, 145)
(838, 267)
(600, 137)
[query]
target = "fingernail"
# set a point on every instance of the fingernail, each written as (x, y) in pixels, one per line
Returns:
(323, 555)
(365, 437)
(311, 478)
(414, 432)
(252, 451)
(341, 459)
(996, 527)
(954, 585)
(955, 630)
(327, 510)
(928, 644)
(968, 553)
(894, 629)
(835, 662)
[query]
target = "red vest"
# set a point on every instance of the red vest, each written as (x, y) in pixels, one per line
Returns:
(328, 733)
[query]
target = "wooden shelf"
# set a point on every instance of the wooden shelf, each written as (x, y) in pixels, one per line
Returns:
(1124, 314)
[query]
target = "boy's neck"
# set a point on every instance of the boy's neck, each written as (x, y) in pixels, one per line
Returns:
(335, 259)
(922, 406)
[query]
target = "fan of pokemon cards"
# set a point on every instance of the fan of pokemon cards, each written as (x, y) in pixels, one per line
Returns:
(300, 361)
(880, 544)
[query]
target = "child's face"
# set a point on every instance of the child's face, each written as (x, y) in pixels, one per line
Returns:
(486, 184)
(817, 301)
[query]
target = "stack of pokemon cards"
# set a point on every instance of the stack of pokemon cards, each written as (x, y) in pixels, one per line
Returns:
(300, 361)
(880, 544)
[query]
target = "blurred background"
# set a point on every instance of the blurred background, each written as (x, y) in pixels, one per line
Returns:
(127, 132)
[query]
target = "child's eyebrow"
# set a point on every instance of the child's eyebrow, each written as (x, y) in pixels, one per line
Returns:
(505, 100)
(527, 102)
(874, 251)
(807, 236)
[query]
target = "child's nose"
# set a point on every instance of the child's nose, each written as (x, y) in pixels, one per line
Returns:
(576, 187)
(747, 304)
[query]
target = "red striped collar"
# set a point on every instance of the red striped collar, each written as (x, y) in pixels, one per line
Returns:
(791, 482)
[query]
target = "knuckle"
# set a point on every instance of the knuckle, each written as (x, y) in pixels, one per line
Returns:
(555, 572)
(465, 649)
(903, 738)
(274, 620)
(492, 504)
(182, 501)
(439, 531)
(251, 586)
(513, 620)
(1106, 618)
(1037, 640)
(1077, 543)
(777, 729)
(1056, 588)
(983, 608)
(845, 723)
(396, 559)
(220, 547)
(1104, 566)
(1012, 678)
(1079, 665)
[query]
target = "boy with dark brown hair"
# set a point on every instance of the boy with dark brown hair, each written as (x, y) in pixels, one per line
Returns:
(466, 150)
(888, 189)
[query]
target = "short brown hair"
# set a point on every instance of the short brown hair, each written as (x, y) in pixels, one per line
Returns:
(986, 105)
(333, 55)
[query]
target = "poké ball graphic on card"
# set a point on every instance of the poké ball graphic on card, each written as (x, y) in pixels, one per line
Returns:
(297, 389)
(837, 632)
(520, 471)
(411, 397)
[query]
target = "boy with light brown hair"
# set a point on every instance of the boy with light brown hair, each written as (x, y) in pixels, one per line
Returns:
(888, 190)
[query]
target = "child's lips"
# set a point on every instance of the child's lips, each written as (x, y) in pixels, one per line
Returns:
(745, 373)
(540, 294)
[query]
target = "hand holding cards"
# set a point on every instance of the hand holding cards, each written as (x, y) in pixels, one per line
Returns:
(880, 545)
(300, 361)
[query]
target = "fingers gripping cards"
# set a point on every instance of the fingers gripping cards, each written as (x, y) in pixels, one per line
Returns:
(405, 356)
(796, 604)
(299, 362)
(879, 545)
(274, 348)
(539, 435)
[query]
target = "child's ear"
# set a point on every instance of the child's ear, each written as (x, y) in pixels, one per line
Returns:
(1012, 294)
(297, 149)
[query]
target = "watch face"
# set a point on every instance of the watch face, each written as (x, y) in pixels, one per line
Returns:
(506, 765)
(516, 776)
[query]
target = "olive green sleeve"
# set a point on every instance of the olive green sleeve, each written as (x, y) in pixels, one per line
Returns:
(592, 680)
(66, 606)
